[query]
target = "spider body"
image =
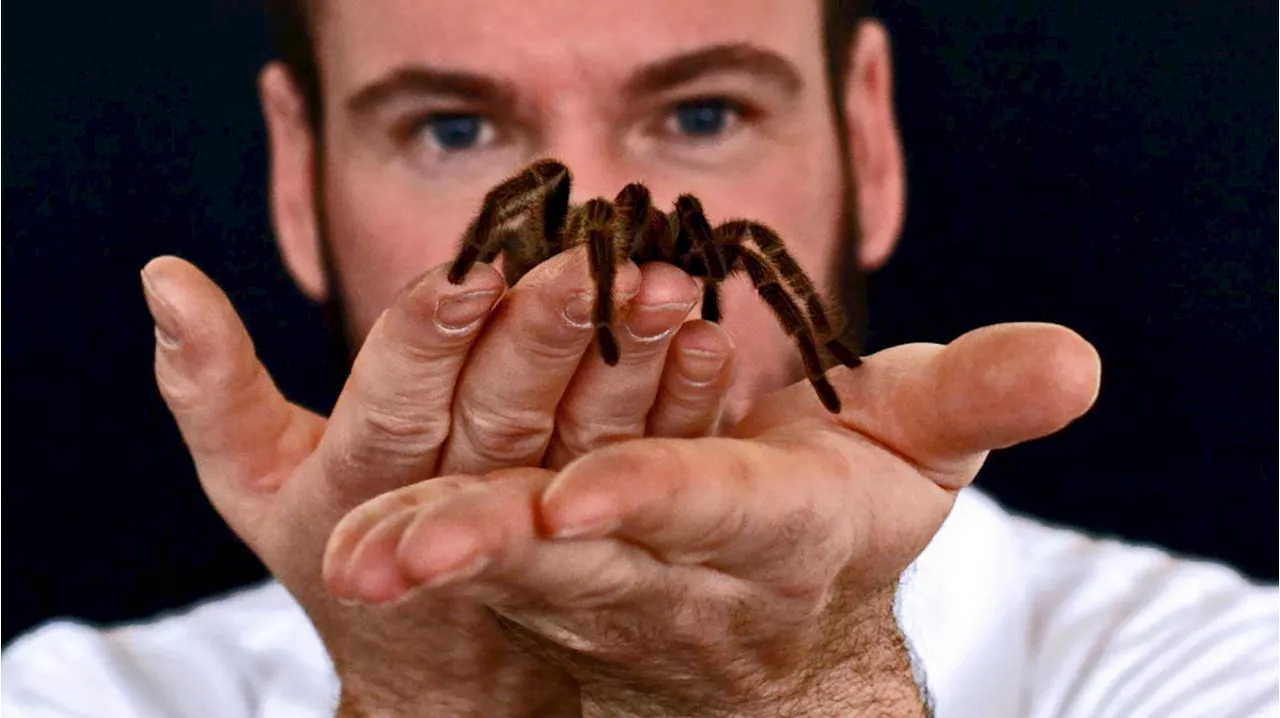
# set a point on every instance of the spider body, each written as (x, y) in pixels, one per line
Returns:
(630, 228)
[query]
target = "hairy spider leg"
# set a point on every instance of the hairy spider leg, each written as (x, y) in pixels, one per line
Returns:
(688, 212)
(667, 237)
(789, 315)
(705, 251)
(633, 206)
(539, 238)
(501, 204)
(658, 239)
(739, 231)
(552, 213)
(599, 228)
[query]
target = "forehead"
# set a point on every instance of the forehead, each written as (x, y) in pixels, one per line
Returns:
(546, 40)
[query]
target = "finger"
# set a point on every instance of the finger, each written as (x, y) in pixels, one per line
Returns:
(429, 530)
(805, 487)
(390, 422)
(699, 371)
(368, 574)
(243, 435)
(360, 521)
(458, 537)
(945, 408)
(605, 404)
(753, 509)
(480, 540)
(507, 396)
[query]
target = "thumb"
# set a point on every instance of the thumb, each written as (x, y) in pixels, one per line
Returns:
(989, 389)
(244, 436)
(944, 408)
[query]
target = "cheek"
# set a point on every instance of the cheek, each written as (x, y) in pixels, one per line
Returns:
(385, 234)
(799, 197)
(798, 194)
(806, 216)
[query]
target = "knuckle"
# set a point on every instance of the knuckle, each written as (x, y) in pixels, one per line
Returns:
(579, 434)
(390, 439)
(403, 427)
(507, 438)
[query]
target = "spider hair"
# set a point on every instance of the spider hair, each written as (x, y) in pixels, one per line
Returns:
(528, 219)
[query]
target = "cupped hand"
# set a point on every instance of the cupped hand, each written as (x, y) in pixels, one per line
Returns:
(439, 386)
(751, 574)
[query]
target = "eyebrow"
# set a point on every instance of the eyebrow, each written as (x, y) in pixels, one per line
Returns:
(651, 79)
(424, 80)
(717, 59)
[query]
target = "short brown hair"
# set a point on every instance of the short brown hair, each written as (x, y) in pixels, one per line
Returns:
(293, 36)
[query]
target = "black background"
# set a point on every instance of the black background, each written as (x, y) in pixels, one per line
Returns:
(1109, 166)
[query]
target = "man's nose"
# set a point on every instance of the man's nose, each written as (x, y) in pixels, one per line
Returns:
(595, 169)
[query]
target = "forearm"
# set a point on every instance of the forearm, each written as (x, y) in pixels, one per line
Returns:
(867, 671)
(502, 699)
(889, 691)
(875, 678)
(479, 675)
(862, 667)
(470, 669)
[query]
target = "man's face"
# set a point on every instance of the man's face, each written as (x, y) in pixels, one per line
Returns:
(429, 104)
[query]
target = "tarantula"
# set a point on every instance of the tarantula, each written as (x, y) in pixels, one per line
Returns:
(630, 227)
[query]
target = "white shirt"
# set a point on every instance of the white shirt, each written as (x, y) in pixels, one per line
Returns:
(1006, 617)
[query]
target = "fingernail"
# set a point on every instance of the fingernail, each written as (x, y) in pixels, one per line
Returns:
(162, 314)
(652, 323)
(700, 367)
(579, 308)
(572, 512)
(463, 312)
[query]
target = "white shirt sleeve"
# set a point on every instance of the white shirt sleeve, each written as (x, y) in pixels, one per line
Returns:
(1125, 631)
(251, 654)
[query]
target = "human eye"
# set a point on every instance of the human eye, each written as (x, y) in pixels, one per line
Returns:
(703, 119)
(454, 132)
